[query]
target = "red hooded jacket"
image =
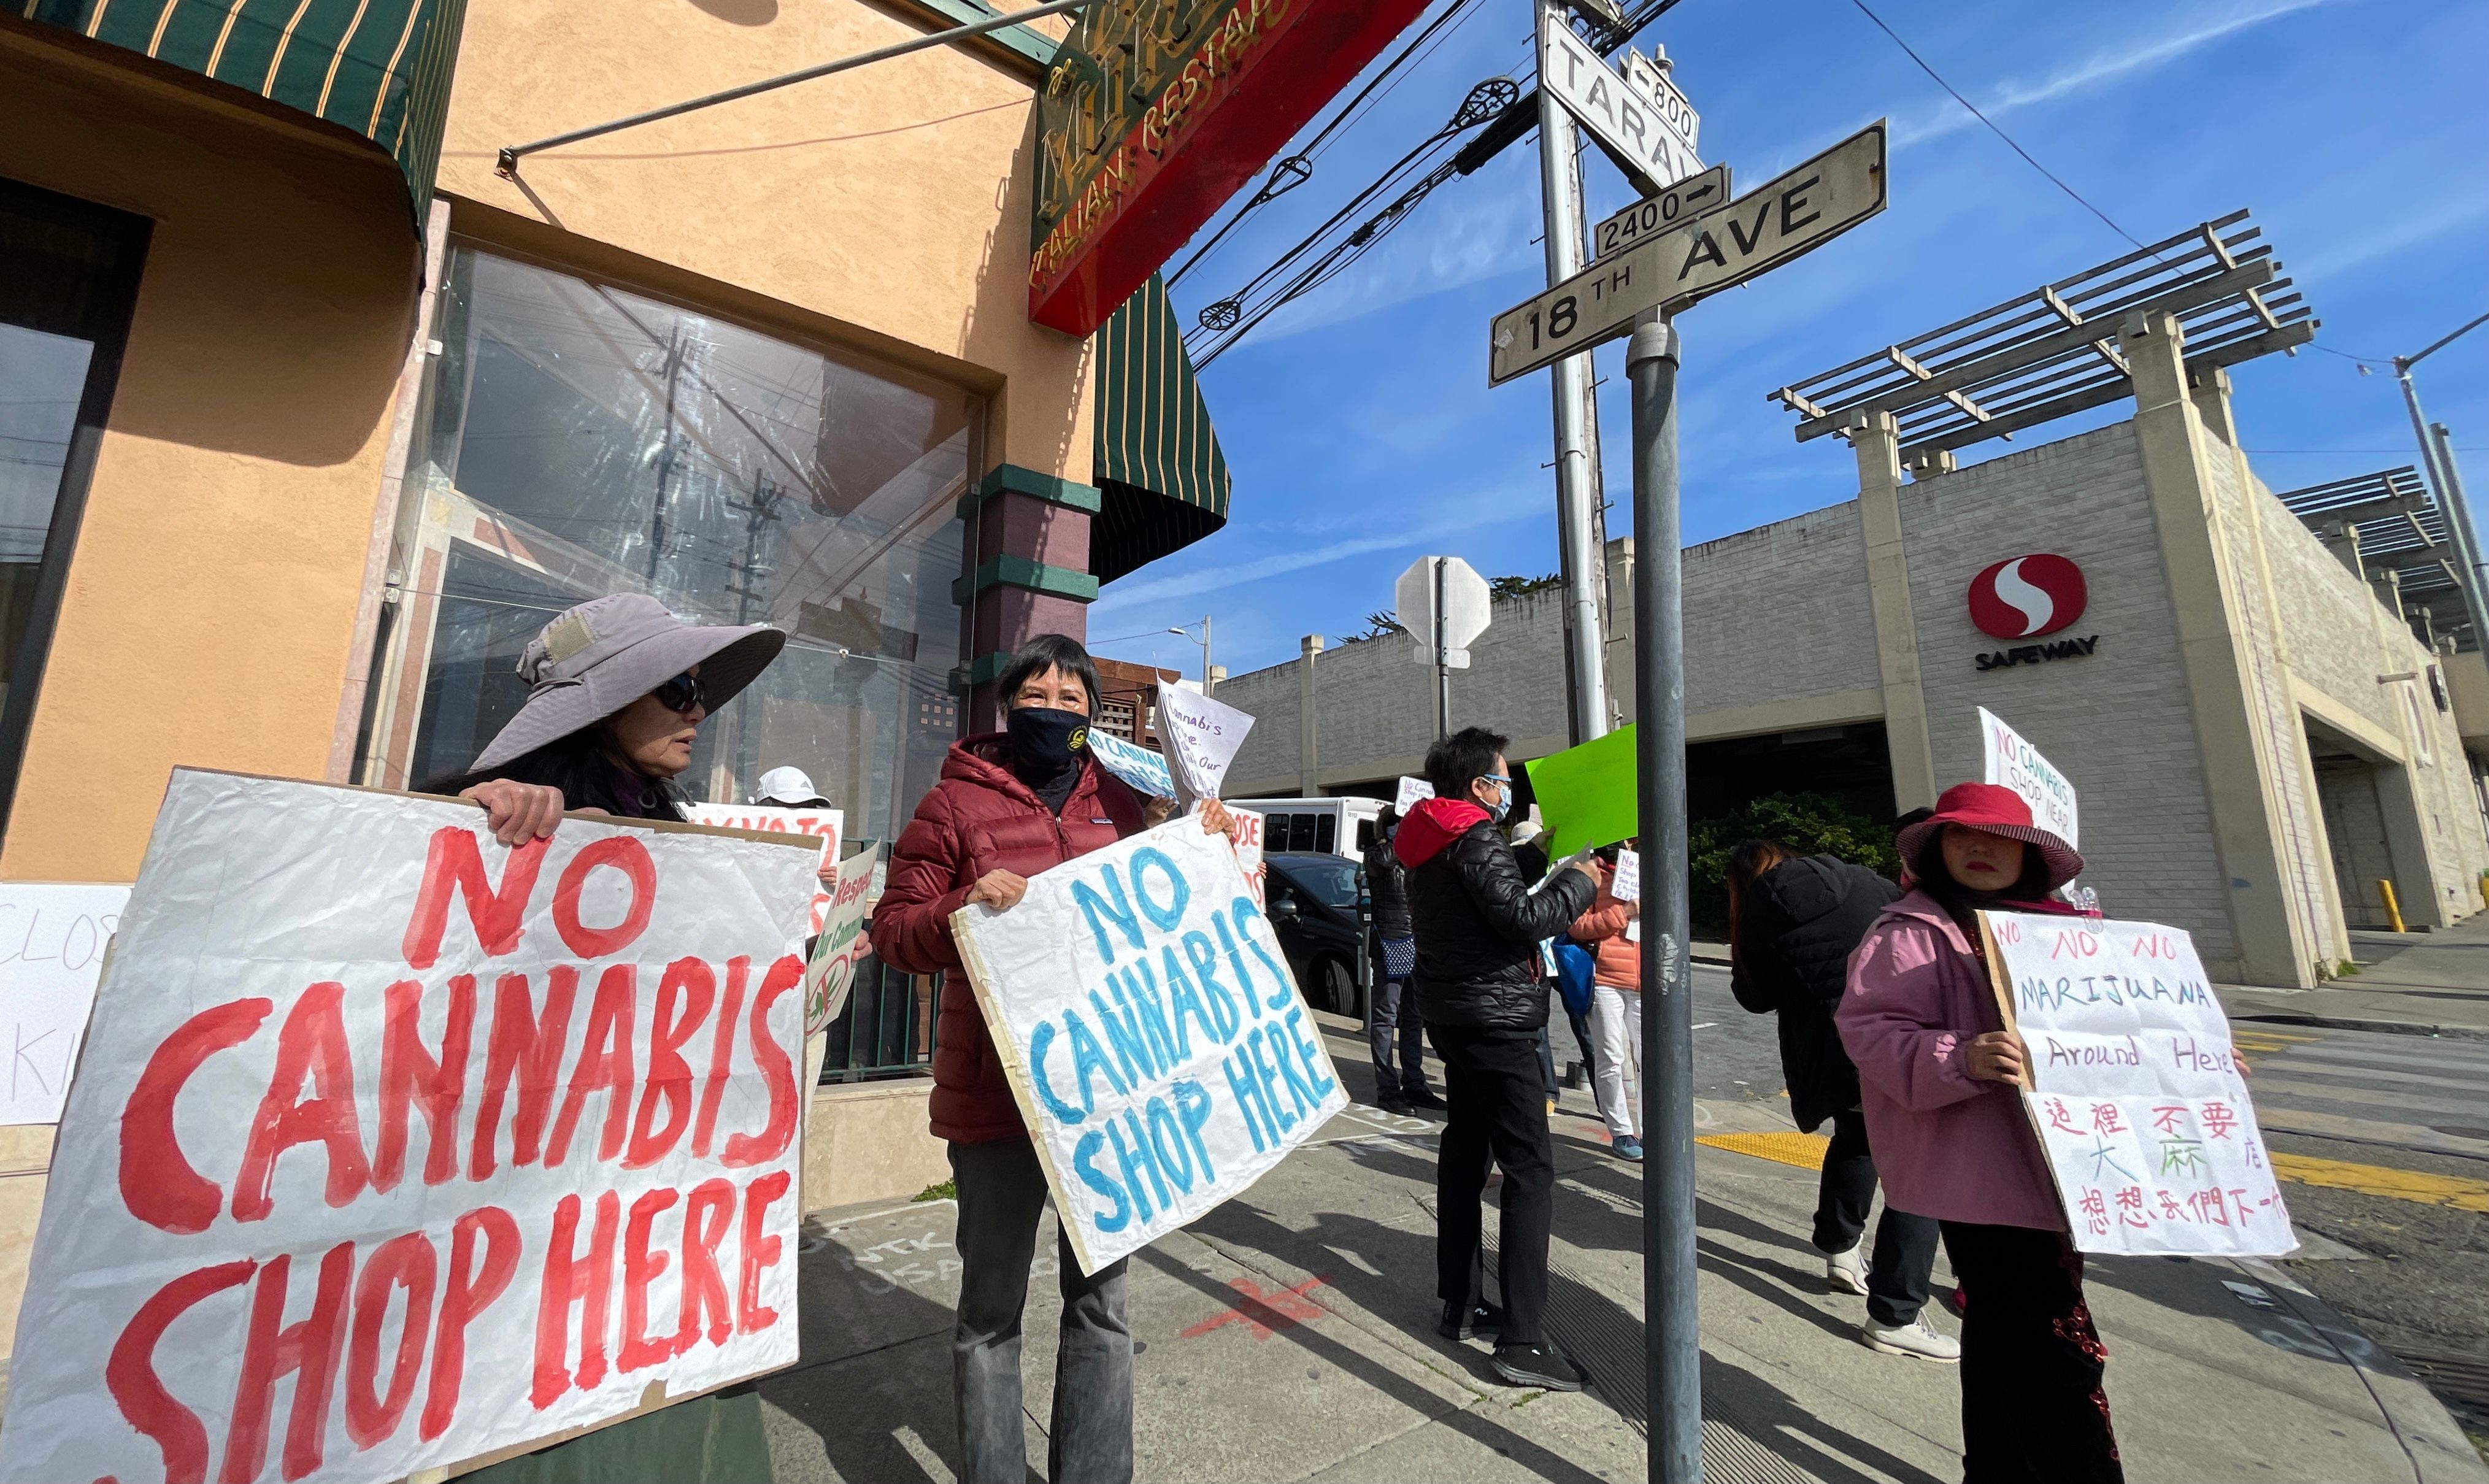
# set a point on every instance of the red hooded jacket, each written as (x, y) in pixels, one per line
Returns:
(979, 817)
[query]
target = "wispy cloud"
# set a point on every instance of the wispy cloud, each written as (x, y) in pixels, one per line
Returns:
(2107, 65)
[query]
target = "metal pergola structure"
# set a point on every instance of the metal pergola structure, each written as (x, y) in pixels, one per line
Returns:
(2044, 355)
(2398, 529)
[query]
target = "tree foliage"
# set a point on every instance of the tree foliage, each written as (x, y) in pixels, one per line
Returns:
(1808, 823)
(1515, 586)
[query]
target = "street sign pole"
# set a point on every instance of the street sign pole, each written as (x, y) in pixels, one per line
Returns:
(1671, 1323)
(1577, 495)
(1443, 660)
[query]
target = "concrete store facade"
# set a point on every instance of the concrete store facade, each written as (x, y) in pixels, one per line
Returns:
(2257, 737)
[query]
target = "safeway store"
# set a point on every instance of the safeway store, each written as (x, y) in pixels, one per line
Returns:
(2273, 706)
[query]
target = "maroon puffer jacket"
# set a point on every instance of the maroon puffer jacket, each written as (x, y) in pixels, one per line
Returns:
(980, 818)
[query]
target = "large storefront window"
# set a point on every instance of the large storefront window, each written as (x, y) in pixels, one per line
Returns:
(578, 439)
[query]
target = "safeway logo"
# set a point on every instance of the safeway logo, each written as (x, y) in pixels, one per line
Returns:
(2022, 597)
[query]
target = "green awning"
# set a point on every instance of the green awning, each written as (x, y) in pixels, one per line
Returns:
(1160, 474)
(378, 68)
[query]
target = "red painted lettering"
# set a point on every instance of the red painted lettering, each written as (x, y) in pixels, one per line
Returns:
(785, 1099)
(640, 1268)
(130, 1374)
(526, 1045)
(758, 1252)
(453, 863)
(705, 1217)
(721, 1054)
(406, 1262)
(158, 1183)
(468, 1292)
(630, 857)
(683, 1000)
(572, 1278)
(307, 1350)
(604, 1064)
(312, 1047)
(411, 1074)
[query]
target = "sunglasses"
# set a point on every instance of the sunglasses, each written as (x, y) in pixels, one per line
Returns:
(680, 694)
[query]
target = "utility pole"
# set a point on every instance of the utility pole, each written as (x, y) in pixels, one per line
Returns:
(1670, 1320)
(2444, 486)
(1578, 497)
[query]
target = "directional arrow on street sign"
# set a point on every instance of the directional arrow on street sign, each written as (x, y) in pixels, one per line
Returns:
(1649, 133)
(1759, 231)
(1679, 204)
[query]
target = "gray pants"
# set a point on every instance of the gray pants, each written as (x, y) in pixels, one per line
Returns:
(1002, 1194)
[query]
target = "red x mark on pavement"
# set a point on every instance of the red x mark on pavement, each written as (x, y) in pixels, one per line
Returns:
(1265, 1314)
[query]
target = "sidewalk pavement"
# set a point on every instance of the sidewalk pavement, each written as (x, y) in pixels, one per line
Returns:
(1289, 1336)
(2424, 983)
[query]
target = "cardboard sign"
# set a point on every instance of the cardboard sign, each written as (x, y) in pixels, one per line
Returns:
(1144, 770)
(2135, 1093)
(1202, 736)
(390, 1147)
(828, 824)
(1626, 884)
(1249, 835)
(1589, 794)
(1152, 1034)
(2017, 765)
(52, 938)
(1414, 791)
(841, 943)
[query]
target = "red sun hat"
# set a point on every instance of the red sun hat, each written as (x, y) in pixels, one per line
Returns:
(1996, 810)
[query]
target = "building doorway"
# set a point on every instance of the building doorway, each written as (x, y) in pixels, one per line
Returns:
(2348, 786)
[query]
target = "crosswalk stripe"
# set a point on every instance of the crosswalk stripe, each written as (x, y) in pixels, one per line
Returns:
(2415, 1185)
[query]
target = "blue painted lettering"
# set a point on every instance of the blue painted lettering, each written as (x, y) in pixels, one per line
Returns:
(1119, 911)
(1166, 915)
(1039, 1042)
(1084, 1163)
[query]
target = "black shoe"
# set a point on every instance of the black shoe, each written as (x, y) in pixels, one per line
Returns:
(1537, 1366)
(1397, 1107)
(1483, 1320)
(1422, 1098)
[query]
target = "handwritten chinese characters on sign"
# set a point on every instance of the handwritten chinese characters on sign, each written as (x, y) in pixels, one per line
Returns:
(401, 1147)
(1151, 1032)
(2136, 1093)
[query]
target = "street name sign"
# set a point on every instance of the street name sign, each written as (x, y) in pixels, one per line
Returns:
(1760, 230)
(1675, 206)
(1649, 131)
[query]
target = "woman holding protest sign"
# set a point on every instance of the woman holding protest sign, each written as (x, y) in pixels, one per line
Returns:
(1010, 805)
(1939, 1075)
(616, 690)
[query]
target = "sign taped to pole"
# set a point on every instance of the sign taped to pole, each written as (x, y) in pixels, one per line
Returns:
(402, 1148)
(56, 932)
(1151, 1032)
(2136, 1091)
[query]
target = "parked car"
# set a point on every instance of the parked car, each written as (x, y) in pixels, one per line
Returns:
(1312, 904)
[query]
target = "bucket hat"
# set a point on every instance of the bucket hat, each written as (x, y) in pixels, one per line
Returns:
(598, 658)
(1998, 810)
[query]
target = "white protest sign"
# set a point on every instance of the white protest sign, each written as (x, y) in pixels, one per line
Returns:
(390, 1147)
(841, 942)
(2017, 765)
(1626, 886)
(1144, 770)
(1202, 736)
(829, 824)
(52, 937)
(1249, 849)
(1414, 791)
(2135, 1092)
(1151, 1033)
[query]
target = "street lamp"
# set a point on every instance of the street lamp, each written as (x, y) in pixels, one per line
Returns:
(1205, 649)
(2437, 463)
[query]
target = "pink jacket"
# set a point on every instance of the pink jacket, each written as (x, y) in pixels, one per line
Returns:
(1616, 959)
(1947, 1146)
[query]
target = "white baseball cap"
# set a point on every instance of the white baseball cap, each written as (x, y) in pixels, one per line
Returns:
(792, 786)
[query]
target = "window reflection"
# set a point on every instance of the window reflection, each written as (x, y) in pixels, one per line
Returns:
(578, 439)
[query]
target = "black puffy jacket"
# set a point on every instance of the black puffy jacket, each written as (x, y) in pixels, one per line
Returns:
(1795, 930)
(1388, 884)
(1478, 930)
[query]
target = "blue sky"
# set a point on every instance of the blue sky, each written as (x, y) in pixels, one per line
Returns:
(1361, 430)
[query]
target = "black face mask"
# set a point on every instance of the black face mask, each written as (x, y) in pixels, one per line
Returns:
(1045, 740)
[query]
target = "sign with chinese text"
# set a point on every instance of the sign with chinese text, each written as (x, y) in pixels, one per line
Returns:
(2136, 1091)
(392, 1147)
(1151, 1032)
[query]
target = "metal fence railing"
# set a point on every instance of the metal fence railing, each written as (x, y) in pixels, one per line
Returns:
(886, 1029)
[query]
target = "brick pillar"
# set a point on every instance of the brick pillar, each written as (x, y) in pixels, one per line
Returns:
(1877, 441)
(1028, 561)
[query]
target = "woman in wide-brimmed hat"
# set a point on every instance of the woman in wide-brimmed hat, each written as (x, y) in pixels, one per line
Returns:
(1937, 1076)
(618, 688)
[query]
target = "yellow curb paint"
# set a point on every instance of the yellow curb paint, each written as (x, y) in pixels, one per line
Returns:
(2451, 1190)
(1803, 1150)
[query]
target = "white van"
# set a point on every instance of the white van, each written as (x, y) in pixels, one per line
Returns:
(1342, 827)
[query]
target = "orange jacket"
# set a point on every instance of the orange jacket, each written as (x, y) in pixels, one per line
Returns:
(1602, 930)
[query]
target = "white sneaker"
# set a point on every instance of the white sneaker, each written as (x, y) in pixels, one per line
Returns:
(1917, 1339)
(1846, 1271)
